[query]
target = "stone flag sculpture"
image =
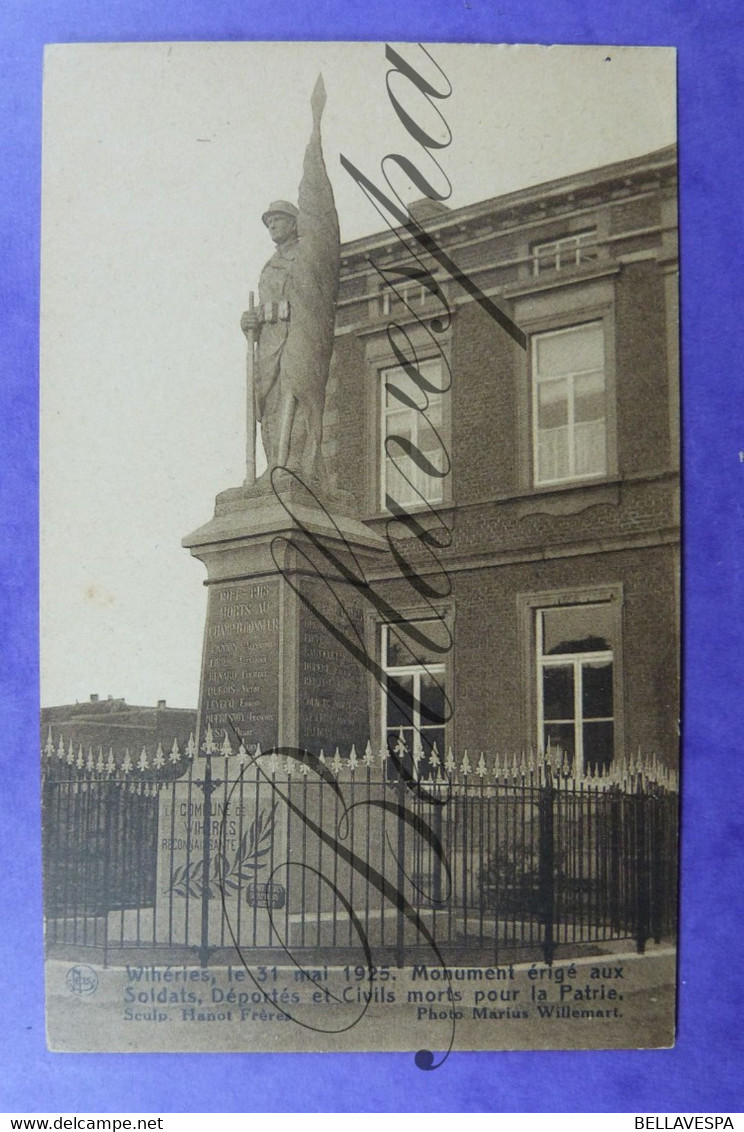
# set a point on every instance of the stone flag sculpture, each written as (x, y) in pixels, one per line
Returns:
(294, 323)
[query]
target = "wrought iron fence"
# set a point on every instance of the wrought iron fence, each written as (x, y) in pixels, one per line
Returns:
(468, 859)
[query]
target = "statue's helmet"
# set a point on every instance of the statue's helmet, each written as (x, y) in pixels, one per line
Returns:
(283, 207)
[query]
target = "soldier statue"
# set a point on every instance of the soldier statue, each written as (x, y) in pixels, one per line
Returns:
(293, 325)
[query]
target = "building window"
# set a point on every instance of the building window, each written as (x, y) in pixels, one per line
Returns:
(569, 404)
(414, 699)
(412, 455)
(575, 683)
(394, 298)
(564, 253)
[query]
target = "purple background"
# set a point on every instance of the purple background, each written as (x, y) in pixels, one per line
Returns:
(703, 1072)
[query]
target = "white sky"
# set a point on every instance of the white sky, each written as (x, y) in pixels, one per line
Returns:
(158, 162)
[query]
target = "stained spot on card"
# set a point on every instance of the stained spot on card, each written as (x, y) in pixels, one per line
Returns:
(97, 595)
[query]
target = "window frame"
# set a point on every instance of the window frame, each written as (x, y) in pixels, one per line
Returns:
(584, 239)
(576, 661)
(423, 344)
(564, 308)
(382, 459)
(393, 298)
(375, 644)
(570, 379)
(436, 668)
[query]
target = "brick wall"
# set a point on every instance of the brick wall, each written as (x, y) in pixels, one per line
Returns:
(633, 214)
(642, 386)
(484, 421)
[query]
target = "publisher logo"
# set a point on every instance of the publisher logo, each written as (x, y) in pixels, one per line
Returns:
(82, 980)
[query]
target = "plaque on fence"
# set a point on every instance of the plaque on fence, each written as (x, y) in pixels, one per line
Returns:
(265, 895)
(404, 400)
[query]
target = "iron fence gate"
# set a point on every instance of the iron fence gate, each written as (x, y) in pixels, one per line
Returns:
(288, 853)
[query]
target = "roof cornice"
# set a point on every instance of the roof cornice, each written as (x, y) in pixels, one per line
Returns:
(622, 176)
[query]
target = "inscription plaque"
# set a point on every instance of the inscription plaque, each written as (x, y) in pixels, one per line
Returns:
(261, 895)
(332, 693)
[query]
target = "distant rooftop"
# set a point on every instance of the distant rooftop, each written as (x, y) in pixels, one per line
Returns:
(88, 730)
(114, 710)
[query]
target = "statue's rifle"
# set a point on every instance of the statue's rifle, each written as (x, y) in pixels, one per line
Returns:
(250, 414)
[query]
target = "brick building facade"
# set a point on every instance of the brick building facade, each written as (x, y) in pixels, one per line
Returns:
(113, 725)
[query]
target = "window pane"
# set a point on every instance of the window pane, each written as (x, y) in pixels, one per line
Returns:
(423, 383)
(570, 351)
(589, 429)
(399, 486)
(558, 692)
(417, 642)
(431, 736)
(399, 702)
(398, 423)
(431, 488)
(598, 746)
(434, 409)
(432, 699)
(596, 690)
(577, 628)
(430, 445)
(589, 397)
(552, 454)
(589, 448)
(429, 442)
(544, 262)
(409, 390)
(552, 404)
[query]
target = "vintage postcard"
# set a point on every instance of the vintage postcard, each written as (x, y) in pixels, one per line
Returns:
(360, 547)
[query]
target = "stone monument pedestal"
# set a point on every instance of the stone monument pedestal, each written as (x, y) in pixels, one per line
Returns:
(255, 855)
(236, 863)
